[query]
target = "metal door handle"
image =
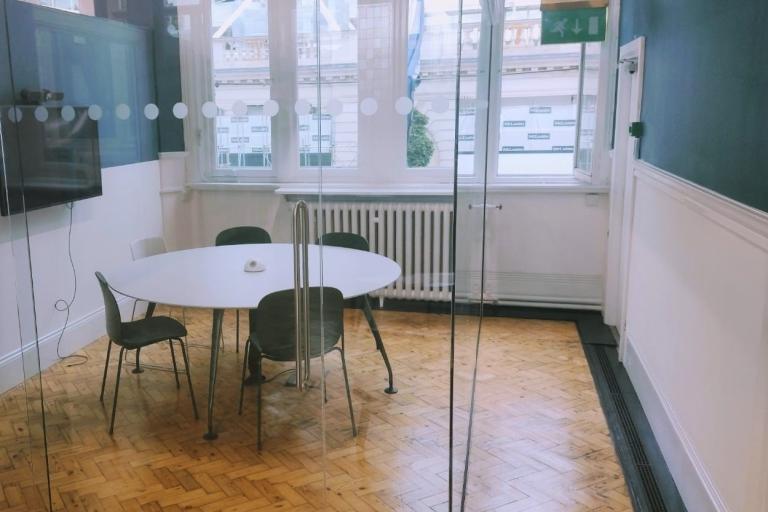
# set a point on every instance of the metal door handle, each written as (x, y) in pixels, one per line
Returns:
(486, 206)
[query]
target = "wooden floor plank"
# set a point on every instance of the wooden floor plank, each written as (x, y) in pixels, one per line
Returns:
(540, 441)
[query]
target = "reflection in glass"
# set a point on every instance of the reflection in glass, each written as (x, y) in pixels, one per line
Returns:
(49, 163)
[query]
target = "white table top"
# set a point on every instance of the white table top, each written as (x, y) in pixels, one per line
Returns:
(214, 277)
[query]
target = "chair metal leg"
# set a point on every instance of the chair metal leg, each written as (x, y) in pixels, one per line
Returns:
(237, 331)
(189, 377)
(221, 333)
(117, 389)
(138, 368)
(175, 368)
(246, 353)
(106, 367)
(150, 311)
(349, 395)
(379, 343)
(258, 404)
(184, 320)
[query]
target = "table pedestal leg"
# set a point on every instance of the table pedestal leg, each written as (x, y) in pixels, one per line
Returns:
(379, 343)
(218, 315)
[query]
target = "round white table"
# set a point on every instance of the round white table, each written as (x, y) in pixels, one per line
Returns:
(214, 278)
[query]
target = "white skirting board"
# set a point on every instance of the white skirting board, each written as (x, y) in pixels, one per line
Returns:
(575, 290)
(693, 482)
(80, 332)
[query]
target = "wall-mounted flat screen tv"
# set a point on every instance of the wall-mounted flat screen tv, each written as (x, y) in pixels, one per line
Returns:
(50, 157)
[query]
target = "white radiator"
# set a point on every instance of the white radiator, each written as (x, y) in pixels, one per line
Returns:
(415, 235)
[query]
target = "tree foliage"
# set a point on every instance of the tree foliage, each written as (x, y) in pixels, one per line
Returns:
(420, 145)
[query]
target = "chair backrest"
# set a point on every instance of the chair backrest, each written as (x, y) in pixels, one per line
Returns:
(111, 310)
(242, 235)
(347, 240)
(273, 323)
(147, 247)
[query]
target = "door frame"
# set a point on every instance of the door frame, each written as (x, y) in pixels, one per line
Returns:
(622, 193)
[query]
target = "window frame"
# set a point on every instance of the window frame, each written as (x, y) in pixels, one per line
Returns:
(286, 169)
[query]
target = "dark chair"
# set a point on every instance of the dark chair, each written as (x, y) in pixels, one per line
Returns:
(273, 336)
(355, 241)
(136, 335)
(242, 235)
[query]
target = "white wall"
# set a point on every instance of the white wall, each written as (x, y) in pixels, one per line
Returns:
(542, 247)
(103, 228)
(697, 338)
(547, 247)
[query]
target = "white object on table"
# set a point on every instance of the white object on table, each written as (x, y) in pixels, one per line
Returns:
(254, 266)
(213, 278)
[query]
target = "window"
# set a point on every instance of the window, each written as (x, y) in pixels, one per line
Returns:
(539, 102)
(241, 78)
(432, 64)
(352, 90)
(328, 136)
(76, 6)
(540, 98)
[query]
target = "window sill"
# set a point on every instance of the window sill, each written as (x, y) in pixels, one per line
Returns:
(407, 190)
(239, 187)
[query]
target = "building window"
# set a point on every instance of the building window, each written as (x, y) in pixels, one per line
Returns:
(241, 78)
(77, 6)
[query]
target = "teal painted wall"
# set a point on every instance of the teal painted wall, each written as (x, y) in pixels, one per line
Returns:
(6, 92)
(705, 102)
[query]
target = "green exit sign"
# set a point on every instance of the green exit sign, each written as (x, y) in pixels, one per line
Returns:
(572, 26)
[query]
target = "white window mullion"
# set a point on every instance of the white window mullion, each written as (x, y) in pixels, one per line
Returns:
(488, 96)
(283, 62)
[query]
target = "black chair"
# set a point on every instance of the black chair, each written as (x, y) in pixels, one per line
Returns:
(358, 242)
(273, 336)
(242, 235)
(136, 335)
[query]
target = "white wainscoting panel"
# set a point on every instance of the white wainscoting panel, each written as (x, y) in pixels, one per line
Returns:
(103, 228)
(697, 338)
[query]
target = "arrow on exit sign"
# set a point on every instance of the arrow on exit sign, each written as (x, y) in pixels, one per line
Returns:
(572, 26)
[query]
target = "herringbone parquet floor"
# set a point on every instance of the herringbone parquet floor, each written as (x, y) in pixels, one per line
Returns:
(540, 442)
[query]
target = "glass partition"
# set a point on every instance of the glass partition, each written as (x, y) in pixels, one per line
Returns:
(350, 136)
(474, 133)
(23, 442)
